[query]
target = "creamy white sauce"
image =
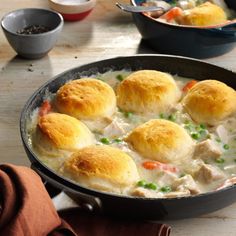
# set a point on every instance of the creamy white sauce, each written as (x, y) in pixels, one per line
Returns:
(120, 124)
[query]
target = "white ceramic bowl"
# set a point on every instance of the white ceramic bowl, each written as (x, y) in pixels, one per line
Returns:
(72, 10)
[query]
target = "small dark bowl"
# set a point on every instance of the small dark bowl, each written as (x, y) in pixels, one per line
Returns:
(35, 45)
(186, 40)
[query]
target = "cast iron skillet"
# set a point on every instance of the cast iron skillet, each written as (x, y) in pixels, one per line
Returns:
(121, 206)
(185, 40)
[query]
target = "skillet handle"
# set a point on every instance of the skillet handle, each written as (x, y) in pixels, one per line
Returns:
(63, 202)
(77, 199)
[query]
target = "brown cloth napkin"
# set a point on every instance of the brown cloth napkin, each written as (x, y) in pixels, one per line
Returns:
(27, 210)
(86, 225)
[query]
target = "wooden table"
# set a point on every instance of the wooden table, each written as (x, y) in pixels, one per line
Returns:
(106, 32)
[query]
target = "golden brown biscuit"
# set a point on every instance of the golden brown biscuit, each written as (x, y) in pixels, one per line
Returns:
(59, 131)
(86, 99)
(205, 14)
(161, 140)
(210, 101)
(102, 167)
(147, 91)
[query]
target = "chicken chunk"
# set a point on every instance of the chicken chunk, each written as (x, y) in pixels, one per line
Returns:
(223, 133)
(115, 128)
(208, 173)
(186, 183)
(178, 194)
(206, 150)
(142, 192)
(167, 178)
(227, 183)
(99, 124)
(186, 4)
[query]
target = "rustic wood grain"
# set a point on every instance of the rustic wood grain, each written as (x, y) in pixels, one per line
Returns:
(106, 32)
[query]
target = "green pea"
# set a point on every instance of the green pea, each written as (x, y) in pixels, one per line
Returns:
(128, 114)
(202, 126)
(105, 140)
(120, 77)
(188, 126)
(166, 189)
(220, 160)
(118, 140)
(182, 175)
(218, 140)
(195, 136)
(162, 116)
(141, 183)
(226, 146)
(151, 186)
(198, 128)
(173, 3)
(172, 117)
(202, 132)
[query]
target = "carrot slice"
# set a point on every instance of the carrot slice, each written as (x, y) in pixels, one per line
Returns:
(189, 85)
(172, 14)
(45, 108)
(151, 165)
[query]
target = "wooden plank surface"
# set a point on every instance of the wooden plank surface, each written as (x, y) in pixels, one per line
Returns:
(106, 32)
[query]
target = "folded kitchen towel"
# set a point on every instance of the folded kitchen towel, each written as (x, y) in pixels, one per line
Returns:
(86, 225)
(26, 209)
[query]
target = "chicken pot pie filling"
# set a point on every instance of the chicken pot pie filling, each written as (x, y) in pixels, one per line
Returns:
(208, 164)
(194, 13)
